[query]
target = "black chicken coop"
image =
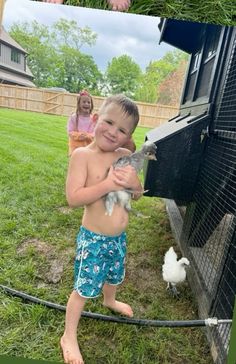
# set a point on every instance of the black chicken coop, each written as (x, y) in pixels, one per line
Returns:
(196, 169)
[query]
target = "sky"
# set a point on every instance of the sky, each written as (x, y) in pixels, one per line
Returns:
(118, 33)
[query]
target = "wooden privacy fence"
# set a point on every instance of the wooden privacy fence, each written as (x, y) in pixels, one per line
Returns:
(64, 103)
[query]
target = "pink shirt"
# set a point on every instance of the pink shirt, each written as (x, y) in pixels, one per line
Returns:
(85, 123)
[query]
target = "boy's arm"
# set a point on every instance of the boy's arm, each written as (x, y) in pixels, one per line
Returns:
(76, 192)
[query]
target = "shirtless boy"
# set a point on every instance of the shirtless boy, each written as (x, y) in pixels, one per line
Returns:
(101, 241)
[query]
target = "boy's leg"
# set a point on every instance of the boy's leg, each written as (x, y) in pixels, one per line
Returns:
(68, 342)
(109, 292)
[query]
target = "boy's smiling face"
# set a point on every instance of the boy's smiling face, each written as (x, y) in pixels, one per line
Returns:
(114, 128)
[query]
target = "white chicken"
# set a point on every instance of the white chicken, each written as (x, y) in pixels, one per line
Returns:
(173, 270)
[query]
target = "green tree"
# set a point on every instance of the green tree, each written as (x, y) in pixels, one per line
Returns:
(76, 71)
(155, 73)
(35, 39)
(123, 75)
(54, 54)
(67, 32)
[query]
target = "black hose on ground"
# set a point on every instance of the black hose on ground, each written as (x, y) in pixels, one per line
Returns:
(117, 319)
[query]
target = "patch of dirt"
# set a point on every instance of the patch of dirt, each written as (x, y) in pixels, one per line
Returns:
(55, 272)
(65, 210)
(40, 246)
(140, 270)
(52, 270)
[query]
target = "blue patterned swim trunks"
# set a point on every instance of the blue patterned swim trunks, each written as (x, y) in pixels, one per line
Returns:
(99, 259)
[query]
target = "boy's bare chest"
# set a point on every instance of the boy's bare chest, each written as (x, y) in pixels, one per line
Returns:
(98, 169)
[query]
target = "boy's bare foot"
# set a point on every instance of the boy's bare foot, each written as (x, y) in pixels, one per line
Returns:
(70, 351)
(119, 5)
(120, 307)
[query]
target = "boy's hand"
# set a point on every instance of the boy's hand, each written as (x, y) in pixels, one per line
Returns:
(113, 180)
(124, 178)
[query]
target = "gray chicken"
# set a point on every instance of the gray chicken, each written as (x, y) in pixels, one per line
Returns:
(136, 160)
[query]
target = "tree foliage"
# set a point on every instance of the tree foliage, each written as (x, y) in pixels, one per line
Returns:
(55, 57)
(68, 33)
(156, 72)
(170, 90)
(123, 75)
(34, 38)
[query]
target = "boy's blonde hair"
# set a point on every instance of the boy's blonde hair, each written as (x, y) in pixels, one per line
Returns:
(125, 103)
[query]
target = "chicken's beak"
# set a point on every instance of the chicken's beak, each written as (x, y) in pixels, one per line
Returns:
(152, 157)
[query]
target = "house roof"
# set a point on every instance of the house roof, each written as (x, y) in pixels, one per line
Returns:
(16, 79)
(26, 73)
(6, 38)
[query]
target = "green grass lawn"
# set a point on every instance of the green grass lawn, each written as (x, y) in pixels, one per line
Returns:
(38, 233)
(209, 11)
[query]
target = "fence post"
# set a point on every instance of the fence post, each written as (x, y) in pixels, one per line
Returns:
(232, 347)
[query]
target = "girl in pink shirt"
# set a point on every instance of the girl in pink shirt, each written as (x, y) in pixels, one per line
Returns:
(80, 126)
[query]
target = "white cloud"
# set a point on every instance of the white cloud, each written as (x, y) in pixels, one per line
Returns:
(118, 33)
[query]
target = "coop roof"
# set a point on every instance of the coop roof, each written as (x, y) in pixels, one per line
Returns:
(184, 35)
